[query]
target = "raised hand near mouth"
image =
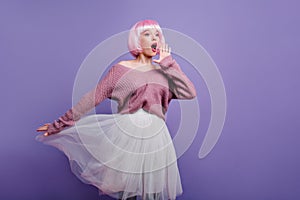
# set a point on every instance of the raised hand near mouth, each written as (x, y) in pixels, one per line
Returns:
(164, 51)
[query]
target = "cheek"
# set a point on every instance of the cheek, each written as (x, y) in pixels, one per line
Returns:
(143, 43)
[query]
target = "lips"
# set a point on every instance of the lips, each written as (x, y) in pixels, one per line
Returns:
(153, 47)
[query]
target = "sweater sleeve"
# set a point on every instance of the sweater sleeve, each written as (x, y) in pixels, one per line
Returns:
(180, 85)
(91, 99)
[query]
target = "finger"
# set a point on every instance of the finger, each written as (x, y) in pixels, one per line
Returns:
(162, 47)
(167, 48)
(46, 134)
(43, 128)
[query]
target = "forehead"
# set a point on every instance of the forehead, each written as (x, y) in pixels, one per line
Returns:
(150, 29)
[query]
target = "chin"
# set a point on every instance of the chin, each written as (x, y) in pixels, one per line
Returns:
(149, 53)
(153, 54)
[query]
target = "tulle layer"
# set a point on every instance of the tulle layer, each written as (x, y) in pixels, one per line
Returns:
(123, 155)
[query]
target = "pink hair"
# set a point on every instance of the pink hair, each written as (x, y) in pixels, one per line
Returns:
(135, 32)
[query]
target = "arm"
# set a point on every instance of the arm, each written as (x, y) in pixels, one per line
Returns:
(102, 91)
(180, 84)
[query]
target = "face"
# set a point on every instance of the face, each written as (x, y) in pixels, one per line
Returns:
(149, 40)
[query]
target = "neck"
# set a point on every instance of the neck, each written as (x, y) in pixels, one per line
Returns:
(145, 60)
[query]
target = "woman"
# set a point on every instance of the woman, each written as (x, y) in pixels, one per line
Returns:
(130, 153)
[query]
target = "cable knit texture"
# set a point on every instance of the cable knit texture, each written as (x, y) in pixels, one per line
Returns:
(133, 89)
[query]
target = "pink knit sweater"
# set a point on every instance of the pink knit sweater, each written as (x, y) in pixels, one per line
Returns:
(133, 89)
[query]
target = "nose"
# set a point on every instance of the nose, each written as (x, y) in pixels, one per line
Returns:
(154, 37)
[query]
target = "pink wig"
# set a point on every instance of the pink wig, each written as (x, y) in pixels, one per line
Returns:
(135, 32)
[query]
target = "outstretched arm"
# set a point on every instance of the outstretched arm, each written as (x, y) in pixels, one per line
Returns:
(103, 90)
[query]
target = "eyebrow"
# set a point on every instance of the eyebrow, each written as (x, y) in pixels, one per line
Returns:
(148, 30)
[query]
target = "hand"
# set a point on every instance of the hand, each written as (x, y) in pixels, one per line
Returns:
(43, 128)
(164, 51)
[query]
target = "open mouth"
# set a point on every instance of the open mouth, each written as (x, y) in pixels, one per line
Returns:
(153, 47)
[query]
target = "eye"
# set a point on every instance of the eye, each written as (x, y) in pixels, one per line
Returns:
(157, 34)
(146, 34)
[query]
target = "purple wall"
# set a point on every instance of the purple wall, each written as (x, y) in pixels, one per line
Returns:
(255, 45)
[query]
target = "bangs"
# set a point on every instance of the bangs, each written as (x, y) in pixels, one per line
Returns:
(143, 28)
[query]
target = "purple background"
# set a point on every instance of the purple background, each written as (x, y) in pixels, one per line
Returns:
(255, 45)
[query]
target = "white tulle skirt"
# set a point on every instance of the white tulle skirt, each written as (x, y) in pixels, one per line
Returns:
(123, 155)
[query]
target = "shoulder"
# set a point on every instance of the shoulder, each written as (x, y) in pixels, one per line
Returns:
(133, 64)
(126, 63)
